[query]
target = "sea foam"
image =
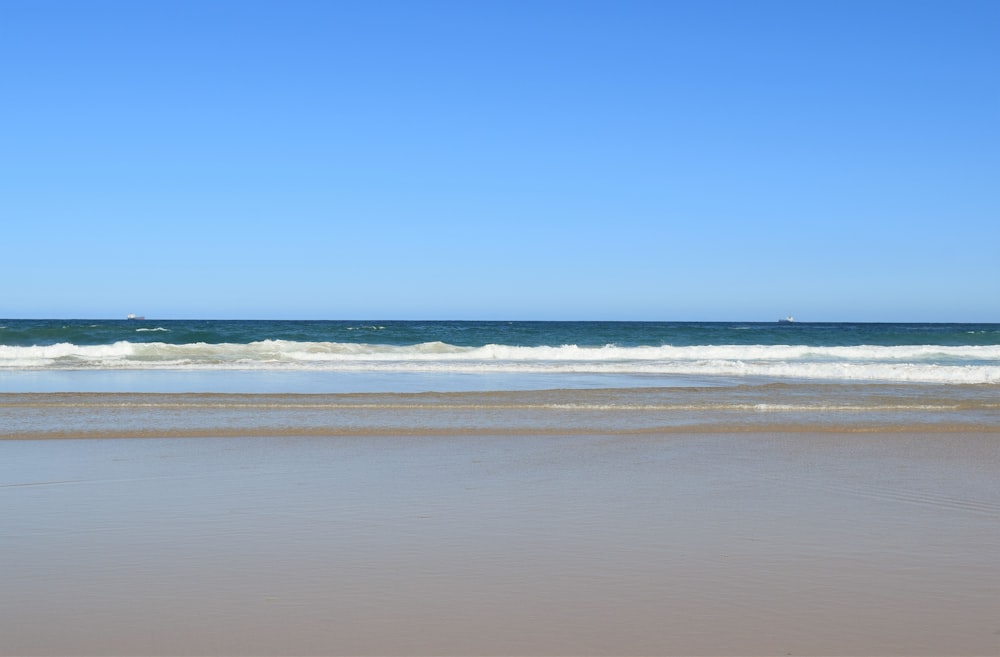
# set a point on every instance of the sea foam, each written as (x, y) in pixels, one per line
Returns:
(916, 363)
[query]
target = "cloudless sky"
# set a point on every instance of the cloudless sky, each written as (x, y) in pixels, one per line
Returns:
(699, 160)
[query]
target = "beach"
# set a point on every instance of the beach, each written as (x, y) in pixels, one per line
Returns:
(762, 520)
(193, 487)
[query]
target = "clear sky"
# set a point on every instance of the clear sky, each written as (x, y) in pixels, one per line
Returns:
(480, 159)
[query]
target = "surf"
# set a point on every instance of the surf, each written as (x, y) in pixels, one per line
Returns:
(902, 363)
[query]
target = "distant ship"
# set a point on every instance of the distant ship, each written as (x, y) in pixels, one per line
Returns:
(786, 320)
(131, 316)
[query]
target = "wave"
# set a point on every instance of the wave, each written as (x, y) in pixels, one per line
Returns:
(919, 363)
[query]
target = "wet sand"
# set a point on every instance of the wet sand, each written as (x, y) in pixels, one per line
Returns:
(869, 541)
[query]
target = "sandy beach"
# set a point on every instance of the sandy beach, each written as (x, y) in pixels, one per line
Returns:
(772, 541)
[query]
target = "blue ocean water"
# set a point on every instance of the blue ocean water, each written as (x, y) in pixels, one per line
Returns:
(82, 332)
(492, 354)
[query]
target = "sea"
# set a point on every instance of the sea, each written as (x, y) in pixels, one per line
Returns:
(512, 353)
(275, 376)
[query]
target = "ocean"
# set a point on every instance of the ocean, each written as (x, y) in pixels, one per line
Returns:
(554, 354)
(179, 377)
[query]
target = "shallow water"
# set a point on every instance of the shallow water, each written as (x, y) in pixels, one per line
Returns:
(765, 407)
(309, 382)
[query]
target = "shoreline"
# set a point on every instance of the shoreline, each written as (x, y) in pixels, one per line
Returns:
(335, 432)
(779, 407)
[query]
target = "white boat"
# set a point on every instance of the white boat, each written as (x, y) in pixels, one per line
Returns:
(131, 316)
(786, 320)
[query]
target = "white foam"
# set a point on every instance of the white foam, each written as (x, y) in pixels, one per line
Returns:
(918, 363)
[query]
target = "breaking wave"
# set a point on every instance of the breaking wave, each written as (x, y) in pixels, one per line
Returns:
(919, 363)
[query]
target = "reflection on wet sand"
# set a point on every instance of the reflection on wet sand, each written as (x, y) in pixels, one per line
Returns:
(581, 543)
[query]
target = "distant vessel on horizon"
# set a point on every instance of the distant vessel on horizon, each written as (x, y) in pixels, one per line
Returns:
(786, 320)
(131, 316)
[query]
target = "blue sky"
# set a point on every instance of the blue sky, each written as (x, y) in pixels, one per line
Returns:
(501, 160)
